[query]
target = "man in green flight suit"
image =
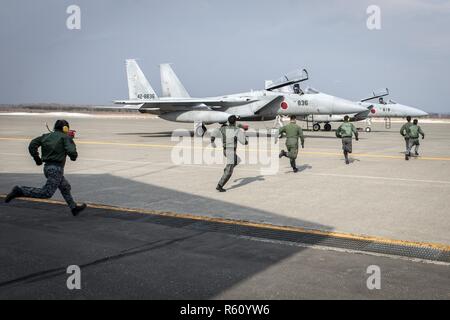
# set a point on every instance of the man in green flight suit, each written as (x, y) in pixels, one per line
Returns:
(55, 147)
(230, 135)
(405, 134)
(346, 131)
(414, 131)
(293, 132)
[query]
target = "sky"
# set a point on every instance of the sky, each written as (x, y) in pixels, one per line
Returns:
(223, 47)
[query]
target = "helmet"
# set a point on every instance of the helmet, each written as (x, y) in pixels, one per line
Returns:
(61, 125)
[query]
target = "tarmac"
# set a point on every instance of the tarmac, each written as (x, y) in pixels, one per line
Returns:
(128, 162)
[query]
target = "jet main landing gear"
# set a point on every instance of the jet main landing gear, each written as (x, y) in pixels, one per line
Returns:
(199, 129)
(326, 127)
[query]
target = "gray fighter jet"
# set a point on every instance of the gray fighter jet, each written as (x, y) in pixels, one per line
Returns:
(177, 105)
(381, 109)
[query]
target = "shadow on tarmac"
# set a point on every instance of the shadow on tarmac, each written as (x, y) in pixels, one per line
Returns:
(304, 167)
(186, 133)
(190, 133)
(320, 137)
(351, 160)
(162, 134)
(246, 181)
(301, 168)
(128, 255)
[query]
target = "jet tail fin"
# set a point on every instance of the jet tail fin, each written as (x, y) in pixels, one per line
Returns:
(170, 84)
(138, 86)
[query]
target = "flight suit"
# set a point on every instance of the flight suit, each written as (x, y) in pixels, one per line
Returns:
(413, 132)
(345, 132)
(293, 132)
(230, 135)
(404, 132)
(55, 147)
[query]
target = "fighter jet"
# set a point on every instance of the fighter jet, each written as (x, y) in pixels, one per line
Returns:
(177, 105)
(382, 109)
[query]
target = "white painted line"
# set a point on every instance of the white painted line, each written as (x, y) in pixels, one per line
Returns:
(377, 178)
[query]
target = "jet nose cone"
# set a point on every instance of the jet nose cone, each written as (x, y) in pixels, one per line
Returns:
(414, 112)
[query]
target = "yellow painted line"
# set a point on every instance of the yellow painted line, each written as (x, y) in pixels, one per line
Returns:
(168, 146)
(217, 167)
(340, 235)
(103, 143)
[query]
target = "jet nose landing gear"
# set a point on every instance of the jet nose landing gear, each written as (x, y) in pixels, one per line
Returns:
(316, 127)
(368, 125)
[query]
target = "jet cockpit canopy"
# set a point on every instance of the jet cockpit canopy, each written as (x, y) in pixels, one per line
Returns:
(378, 94)
(289, 79)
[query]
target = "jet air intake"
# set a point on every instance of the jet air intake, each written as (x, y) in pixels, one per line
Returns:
(342, 106)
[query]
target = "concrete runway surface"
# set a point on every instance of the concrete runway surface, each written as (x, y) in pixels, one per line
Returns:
(126, 162)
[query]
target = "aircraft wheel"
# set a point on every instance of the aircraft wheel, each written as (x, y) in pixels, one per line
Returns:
(327, 127)
(200, 131)
(316, 127)
(368, 129)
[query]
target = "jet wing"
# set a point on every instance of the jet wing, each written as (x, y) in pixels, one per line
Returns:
(174, 103)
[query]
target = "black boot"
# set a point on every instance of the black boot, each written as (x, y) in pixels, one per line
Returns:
(406, 156)
(76, 211)
(294, 166)
(15, 192)
(282, 154)
(220, 188)
(346, 158)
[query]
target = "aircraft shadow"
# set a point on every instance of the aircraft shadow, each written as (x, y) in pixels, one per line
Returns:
(320, 137)
(162, 134)
(190, 133)
(186, 133)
